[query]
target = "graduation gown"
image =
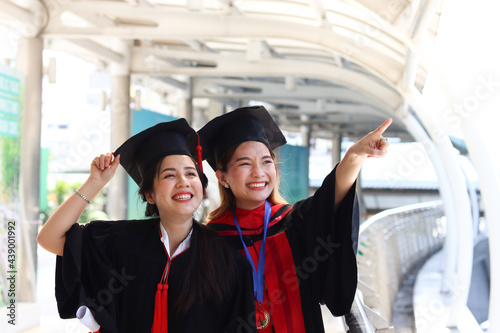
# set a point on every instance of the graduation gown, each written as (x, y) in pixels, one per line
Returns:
(310, 256)
(113, 267)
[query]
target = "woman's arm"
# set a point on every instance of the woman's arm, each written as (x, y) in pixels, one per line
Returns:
(371, 145)
(52, 236)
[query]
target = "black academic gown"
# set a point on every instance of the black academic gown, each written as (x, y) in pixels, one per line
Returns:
(310, 256)
(113, 267)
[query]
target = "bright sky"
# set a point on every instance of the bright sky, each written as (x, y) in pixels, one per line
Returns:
(73, 102)
(467, 53)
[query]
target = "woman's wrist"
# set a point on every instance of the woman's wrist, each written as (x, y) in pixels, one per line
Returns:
(90, 189)
(352, 159)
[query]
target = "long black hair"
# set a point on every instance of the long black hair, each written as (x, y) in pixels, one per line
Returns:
(211, 267)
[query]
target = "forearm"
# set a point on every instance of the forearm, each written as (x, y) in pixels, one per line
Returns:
(52, 236)
(345, 175)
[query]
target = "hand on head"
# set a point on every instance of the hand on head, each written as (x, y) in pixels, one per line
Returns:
(374, 144)
(103, 167)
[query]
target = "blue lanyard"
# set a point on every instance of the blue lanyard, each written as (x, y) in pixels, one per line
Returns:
(258, 276)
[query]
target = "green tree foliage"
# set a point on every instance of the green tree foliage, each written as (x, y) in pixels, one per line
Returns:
(62, 190)
(9, 167)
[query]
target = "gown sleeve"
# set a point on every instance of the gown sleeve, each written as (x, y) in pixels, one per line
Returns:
(330, 238)
(84, 275)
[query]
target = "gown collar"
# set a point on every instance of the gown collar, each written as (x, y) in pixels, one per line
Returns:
(182, 246)
(247, 218)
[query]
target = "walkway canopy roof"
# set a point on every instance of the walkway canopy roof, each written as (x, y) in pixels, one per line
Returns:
(339, 66)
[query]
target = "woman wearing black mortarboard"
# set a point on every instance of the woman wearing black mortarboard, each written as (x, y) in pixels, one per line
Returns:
(301, 255)
(168, 273)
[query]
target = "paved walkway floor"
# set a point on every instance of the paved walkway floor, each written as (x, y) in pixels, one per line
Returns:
(432, 311)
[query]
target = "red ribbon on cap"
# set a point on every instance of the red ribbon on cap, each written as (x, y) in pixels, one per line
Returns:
(200, 159)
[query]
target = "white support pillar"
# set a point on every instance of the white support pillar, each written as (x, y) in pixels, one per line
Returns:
(215, 109)
(490, 190)
(30, 64)
(463, 211)
(451, 243)
(305, 131)
(185, 104)
(336, 148)
(488, 182)
(120, 127)
(423, 18)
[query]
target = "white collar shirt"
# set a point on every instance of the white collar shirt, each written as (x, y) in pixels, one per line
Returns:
(182, 246)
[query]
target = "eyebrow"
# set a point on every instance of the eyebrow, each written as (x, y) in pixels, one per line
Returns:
(174, 169)
(248, 158)
(167, 169)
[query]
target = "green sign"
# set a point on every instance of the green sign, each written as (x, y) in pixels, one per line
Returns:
(294, 171)
(10, 89)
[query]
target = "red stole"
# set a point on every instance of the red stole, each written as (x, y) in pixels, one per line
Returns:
(281, 295)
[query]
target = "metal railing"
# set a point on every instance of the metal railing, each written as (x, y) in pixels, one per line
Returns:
(391, 243)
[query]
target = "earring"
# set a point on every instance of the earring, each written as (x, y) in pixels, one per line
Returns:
(226, 185)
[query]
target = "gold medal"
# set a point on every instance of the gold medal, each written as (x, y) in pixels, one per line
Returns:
(263, 320)
(262, 316)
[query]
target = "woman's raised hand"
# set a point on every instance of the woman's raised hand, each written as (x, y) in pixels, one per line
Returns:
(371, 145)
(374, 144)
(103, 168)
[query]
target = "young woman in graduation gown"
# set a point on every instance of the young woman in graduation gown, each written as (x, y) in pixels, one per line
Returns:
(303, 255)
(168, 273)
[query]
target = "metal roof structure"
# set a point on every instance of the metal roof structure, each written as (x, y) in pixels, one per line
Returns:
(338, 66)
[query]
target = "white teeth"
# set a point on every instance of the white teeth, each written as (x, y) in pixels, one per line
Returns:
(257, 184)
(182, 197)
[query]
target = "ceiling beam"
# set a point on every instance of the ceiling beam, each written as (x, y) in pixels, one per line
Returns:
(278, 90)
(225, 65)
(172, 82)
(384, 59)
(100, 51)
(14, 11)
(320, 13)
(309, 108)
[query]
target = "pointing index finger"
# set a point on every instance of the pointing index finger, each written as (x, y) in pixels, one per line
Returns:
(381, 129)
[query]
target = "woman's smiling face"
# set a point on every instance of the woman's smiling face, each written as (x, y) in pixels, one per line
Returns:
(177, 187)
(251, 174)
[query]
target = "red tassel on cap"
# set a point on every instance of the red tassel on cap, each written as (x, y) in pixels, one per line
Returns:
(200, 159)
(199, 150)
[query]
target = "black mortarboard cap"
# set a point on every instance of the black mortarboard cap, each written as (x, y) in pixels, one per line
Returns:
(145, 148)
(250, 123)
